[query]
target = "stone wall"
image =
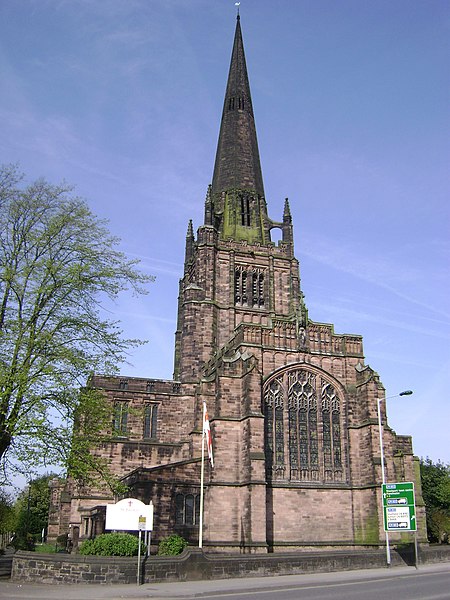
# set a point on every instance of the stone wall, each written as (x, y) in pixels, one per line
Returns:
(194, 565)
(69, 568)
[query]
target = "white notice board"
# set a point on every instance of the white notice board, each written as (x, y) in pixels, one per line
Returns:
(129, 515)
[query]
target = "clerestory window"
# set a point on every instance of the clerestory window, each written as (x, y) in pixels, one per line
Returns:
(120, 418)
(150, 420)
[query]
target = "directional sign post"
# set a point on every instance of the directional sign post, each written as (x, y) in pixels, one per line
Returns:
(399, 509)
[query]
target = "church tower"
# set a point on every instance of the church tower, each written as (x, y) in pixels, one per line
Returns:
(292, 405)
(233, 273)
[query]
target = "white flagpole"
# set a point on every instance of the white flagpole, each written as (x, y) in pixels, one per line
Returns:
(200, 531)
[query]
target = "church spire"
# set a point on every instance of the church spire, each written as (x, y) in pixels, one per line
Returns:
(237, 164)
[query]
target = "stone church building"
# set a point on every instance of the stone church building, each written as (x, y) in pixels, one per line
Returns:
(291, 403)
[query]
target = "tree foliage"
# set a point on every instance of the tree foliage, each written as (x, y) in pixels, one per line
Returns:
(32, 509)
(436, 494)
(58, 263)
(7, 513)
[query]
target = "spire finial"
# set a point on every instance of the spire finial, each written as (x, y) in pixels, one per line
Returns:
(237, 5)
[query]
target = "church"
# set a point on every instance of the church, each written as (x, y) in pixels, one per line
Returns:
(292, 405)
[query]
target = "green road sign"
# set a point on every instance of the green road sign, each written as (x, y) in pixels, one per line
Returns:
(399, 509)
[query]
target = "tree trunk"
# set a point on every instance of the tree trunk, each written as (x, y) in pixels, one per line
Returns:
(5, 442)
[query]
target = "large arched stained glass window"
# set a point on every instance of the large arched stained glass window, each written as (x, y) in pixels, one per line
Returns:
(302, 428)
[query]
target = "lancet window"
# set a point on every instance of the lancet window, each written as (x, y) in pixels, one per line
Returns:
(303, 439)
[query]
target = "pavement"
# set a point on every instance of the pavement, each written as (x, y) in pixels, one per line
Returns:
(197, 589)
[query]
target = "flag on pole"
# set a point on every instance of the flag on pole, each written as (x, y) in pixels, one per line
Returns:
(207, 434)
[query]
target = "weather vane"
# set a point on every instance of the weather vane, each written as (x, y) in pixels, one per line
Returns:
(237, 4)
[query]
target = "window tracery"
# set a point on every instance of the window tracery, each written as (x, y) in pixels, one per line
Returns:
(303, 428)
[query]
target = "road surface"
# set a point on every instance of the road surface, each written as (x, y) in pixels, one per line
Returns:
(398, 583)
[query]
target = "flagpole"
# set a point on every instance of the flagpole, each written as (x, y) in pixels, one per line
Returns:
(200, 531)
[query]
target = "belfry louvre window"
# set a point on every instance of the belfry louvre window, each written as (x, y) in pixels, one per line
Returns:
(120, 418)
(236, 103)
(302, 428)
(249, 287)
(245, 210)
(257, 289)
(150, 420)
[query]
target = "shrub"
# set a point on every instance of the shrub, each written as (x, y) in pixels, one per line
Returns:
(23, 541)
(87, 547)
(112, 544)
(171, 545)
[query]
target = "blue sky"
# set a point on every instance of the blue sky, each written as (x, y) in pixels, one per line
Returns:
(123, 98)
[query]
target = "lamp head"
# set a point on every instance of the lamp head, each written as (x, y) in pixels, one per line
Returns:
(406, 393)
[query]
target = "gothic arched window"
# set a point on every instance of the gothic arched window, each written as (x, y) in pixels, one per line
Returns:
(302, 428)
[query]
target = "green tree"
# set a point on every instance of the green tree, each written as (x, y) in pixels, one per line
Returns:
(7, 513)
(436, 494)
(58, 263)
(32, 507)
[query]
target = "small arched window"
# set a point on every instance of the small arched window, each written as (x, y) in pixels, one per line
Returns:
(187, 509)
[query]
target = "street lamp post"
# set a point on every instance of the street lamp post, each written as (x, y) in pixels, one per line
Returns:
(383, 472)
